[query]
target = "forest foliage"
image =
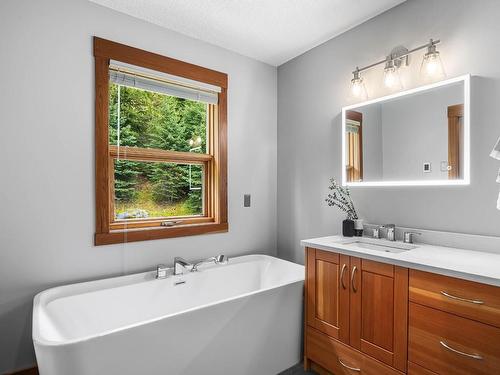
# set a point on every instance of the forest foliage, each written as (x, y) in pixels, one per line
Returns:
(154, 120)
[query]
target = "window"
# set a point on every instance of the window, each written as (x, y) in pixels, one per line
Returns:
(160, 146)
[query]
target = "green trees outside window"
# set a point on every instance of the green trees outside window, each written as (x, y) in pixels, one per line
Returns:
(145, 119)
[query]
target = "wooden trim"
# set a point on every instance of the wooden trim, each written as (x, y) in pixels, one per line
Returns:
(352, 174)
(109, 50)
(221, 160)
(102, 188)
(401, 281)
(156, 222)
(310, 285)
(455, 112)
(152, 155)
(215, 217)
(355, 304)
(114, 237)
(414, 369)
(307, 303)
(377, 267)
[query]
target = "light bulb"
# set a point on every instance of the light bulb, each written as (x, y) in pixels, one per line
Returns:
(391, 75)
(432, 67)
(358, 89)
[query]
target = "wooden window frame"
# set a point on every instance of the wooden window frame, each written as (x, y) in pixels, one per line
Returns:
(215, 218)
(455, 113)
(351, 174)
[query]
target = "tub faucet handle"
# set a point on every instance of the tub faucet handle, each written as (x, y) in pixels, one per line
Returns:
(161, 271)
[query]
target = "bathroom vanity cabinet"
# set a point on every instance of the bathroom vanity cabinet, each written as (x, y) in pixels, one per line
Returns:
(374, 318)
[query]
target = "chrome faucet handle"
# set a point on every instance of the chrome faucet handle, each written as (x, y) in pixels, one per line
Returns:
(376, 233)
(408, 236)
(391, 232)
(180, 264)
(161, 271)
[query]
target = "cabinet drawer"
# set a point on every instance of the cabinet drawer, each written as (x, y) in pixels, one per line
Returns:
(414, 369)
(337, 357)
(448, 344)
(472, 300)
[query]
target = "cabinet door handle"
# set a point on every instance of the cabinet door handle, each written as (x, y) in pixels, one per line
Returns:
(349, 367)
(474, 301)
(354, 289)
(342, 276)
(474, 356)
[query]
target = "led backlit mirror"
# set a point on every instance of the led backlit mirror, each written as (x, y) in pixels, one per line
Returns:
(416, 137)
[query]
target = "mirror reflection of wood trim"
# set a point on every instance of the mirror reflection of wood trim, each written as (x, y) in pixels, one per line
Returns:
(455, 140)
(354, 150)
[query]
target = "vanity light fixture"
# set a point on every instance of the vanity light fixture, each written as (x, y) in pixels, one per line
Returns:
(495, 153)
(391, 75)
(431, 68)
(358, 88)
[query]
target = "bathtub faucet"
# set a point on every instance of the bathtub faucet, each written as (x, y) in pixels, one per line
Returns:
(180, 264)
(219, 259)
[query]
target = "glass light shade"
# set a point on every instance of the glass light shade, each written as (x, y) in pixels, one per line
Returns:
(495, 153)
(432, 67)
(391, 78)
(358, 89)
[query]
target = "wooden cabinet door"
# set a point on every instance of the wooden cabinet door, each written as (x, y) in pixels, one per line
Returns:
(379, 310)
(327, 293)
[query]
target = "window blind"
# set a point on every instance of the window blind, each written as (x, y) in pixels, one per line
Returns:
(140, 80)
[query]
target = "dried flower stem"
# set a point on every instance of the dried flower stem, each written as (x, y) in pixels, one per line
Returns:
(341, 197)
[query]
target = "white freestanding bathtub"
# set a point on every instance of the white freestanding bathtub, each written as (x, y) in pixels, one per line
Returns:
(244, 317)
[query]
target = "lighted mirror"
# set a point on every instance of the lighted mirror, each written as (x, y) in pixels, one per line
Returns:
(415, 137)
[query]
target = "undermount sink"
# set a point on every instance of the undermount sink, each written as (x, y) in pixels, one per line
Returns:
(379, 245)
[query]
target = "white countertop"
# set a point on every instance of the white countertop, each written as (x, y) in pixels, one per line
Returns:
(482, 267)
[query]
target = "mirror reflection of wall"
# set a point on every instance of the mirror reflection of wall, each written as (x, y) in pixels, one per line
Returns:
(414, 137)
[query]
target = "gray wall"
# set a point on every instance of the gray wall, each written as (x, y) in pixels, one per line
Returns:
(415, 130)
(399, 135)
(47, 153)
(373, 161)
(313, 88)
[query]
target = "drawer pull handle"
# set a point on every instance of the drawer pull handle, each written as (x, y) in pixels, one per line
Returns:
(474, 356)
(354, 289)
(474, 301)
(342, 276)
(349, 367)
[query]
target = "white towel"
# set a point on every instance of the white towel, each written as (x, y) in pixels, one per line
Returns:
(496, 150)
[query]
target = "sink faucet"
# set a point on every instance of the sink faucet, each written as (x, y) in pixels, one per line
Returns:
(219, 259)
(391, 232)
(180, 264)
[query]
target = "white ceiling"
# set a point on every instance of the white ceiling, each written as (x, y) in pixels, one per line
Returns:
(272, 31)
